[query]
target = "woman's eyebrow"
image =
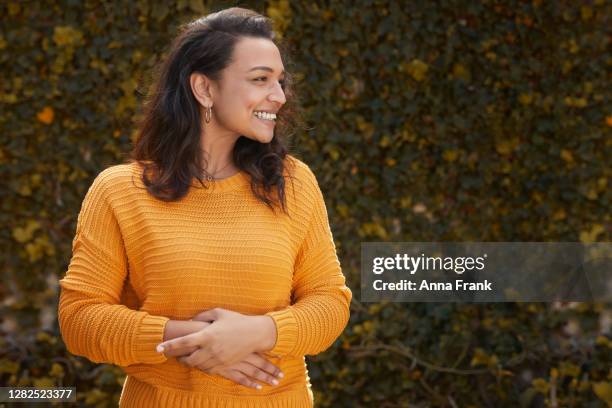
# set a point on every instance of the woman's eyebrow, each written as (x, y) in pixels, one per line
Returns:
(264, 69)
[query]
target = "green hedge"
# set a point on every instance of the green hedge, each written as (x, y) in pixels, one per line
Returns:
(430, 121)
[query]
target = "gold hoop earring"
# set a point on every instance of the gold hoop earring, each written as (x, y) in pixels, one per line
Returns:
(208, 114)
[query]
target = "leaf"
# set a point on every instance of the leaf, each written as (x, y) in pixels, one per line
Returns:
(540, 385)
(159, 11)
(450, 155)
(482, 358)
(7, 366)
(46, 115)
(57, 370)
(24, 234)
(385, 141)
(198, 6)
(568, 369)
(461, 72)
(43, 382)
(567, 156)
(95, 395)
(280, 14)
(25, 190)
(604, 391)
(525, 98)
(603, 341)
(417, 69)
(374, 229)
(14, 8)
(592, 234)
(507, 146)
(39, 247)
(66, 36)
(586, 13)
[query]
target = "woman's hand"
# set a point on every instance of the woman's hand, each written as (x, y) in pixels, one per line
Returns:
(179, 328)
(253, 367)
(228, 340)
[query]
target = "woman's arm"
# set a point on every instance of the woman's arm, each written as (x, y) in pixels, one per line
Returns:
(230, 338)
(92, 321)
(318, 314)
(321, 300)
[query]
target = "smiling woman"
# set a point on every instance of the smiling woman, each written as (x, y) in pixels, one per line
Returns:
(247, 97)
(183, 273)
(222, 103)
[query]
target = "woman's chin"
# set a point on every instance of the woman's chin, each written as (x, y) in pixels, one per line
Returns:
(267, 138)
(261, 138)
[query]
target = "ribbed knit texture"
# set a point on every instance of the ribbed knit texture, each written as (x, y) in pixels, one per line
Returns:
(138, 262)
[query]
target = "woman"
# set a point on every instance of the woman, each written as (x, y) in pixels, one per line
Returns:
(230, 277)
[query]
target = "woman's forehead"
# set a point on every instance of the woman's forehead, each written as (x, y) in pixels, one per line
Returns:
(251, 53)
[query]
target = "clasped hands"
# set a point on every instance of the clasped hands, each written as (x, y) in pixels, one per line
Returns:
(229, 345)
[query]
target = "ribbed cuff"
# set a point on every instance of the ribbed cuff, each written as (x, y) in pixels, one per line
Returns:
(286, 331)
(150, 333)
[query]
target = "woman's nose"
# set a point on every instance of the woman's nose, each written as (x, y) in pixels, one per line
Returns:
(278, 95)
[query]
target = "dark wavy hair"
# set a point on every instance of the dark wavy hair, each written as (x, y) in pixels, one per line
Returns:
(168, 143)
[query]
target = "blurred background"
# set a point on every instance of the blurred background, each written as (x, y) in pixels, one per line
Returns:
(427, 121)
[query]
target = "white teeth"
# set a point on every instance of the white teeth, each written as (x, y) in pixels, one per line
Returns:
(265, 115)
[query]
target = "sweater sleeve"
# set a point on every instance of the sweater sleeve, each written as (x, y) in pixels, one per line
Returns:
(320, 306)
(92, 322)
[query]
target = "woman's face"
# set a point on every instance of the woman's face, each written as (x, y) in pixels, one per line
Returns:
(250, 85)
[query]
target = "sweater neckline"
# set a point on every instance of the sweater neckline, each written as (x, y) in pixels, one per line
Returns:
(230, 183)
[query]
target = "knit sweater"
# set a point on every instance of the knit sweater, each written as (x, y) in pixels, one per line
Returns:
(138, 262)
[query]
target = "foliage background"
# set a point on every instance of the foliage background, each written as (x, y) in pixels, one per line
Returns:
(431, 121)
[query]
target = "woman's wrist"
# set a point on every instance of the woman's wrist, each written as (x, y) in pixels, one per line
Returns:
(267, 329)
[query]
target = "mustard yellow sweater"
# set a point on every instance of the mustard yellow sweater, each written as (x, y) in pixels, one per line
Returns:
(138, 262)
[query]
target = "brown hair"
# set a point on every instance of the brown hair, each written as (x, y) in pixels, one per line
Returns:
(168, 142)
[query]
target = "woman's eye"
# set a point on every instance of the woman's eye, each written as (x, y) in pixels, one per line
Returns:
(282, 82)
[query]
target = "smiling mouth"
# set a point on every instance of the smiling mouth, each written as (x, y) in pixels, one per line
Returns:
(266, 121)
(271, 117)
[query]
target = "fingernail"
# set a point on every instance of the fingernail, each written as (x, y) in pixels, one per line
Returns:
(160, 348)
(280, 375)
(274, 382)
(258, 387)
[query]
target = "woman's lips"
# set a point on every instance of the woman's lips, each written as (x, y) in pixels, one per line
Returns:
(267, 122)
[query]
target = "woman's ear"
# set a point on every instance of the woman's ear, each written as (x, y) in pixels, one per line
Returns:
(201, 86)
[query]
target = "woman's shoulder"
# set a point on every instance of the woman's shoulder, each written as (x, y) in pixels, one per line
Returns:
(118, 172)
(303, 184)
(116, 179)
(299, 170)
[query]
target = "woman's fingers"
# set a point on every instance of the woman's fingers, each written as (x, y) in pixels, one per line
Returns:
(180, 352)
(199, 358)
(237, 377)
(191, 340)
(209, 362)
(255, 373)
(253, 367)
(263, 364)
